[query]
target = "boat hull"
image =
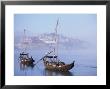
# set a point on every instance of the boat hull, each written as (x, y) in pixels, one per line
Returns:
(65, 67)
(26, 62)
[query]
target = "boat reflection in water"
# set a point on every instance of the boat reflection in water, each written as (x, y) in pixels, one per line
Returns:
(56, 73)
(43, 72)
(25, 67)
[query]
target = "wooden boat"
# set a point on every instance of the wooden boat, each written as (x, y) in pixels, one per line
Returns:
(24, 56)
(51, 62)
(58, 66)
(25, 59)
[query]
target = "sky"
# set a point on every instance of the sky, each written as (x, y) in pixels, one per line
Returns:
(78, 26)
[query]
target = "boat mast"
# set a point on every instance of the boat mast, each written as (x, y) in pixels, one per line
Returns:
(56, 39)
(24, 40)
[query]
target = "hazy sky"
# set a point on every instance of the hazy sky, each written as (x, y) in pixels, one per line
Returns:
(79, 26)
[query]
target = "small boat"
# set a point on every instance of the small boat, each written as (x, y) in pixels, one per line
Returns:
(24, 56)
(25, 59)
(57, 66)
(51, 62)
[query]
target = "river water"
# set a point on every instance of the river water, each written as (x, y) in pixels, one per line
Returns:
(85, 63)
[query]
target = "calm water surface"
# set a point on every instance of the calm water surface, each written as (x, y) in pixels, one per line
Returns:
(85, 64)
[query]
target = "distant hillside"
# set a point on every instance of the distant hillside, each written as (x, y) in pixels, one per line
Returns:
(45, 41)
